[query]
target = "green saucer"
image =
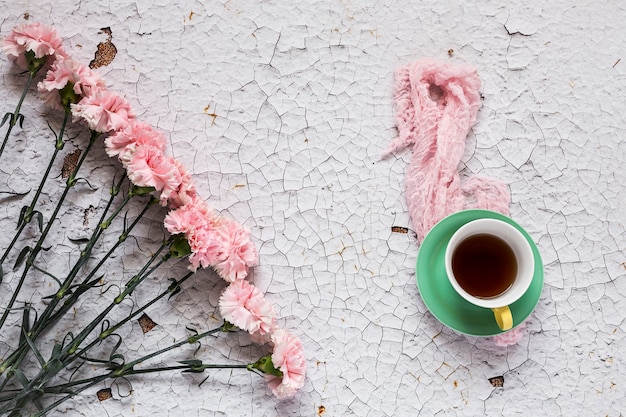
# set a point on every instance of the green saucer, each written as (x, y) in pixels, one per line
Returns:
(440, 298)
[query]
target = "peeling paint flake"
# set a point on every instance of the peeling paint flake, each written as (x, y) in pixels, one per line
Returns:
(497, 381)
(106, 51)
(69, 163)
(104, 394)
(146, 323)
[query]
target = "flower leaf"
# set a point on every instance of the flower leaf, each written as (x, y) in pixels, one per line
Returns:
(21, 257)
(114, 356)
(266, 366)
(76, 180)
(174, 287)
(20, 219)
(78, 240)
(21, 377)
(68, 96)
(192, 362)
(14, 193)
(179, 247)
(138, 190)
(112, 359)
(54, 366)
(56, 351)
(26, 320)
(82, 287)
(195, 365)
(35, 267)
(26, 338)
(4, 119)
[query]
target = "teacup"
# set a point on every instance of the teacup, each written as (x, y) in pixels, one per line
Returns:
(490, 264)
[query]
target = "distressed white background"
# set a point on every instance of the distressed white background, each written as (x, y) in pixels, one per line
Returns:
(282, 110)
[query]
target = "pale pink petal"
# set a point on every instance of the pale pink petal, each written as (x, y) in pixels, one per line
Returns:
(206, 247)
(215, 241)
(43, 40)
(104, 111)
(186, 191)
(192, 216)
(199, 223)
(57, 78)
(124, 142)
(63, 71)
(243, 305)
(240, 252)
(149, 167)
(87, 82)
(288, 357)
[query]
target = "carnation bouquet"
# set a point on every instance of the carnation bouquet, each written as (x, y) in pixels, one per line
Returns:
(42, 363)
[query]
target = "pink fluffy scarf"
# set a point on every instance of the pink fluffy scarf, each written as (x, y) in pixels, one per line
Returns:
(436, 106)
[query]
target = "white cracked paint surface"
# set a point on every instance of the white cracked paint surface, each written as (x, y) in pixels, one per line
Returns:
(282, 110)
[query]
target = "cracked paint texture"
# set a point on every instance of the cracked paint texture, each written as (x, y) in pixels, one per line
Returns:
(281, 110)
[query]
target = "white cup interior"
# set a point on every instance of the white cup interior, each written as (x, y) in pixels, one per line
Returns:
(518, 243)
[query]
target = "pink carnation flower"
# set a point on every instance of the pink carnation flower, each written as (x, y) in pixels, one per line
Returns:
(63, 71)
(149, 167)
(199, 223)
(42, 40)
(186, 191)
(288, 357)
(124, 142)
(243, 305)
(194, 215)
(104, 111)
(206, 248)
(214, 241)
(240, 251)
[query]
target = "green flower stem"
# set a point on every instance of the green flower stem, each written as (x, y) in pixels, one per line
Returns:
(68, 388)
(16, 114)
(38, 382)
(95, 236)
(130, 287)
(62, 388)
(68, 354)
(137, 279)
(19, 400)
(133, 192)
(108, 332)
(14, 360)
(42, 322)
(60, 401)
(45, 321)
(27, 216)
(122, 371)
(127, 367)
(71, 181)
(44, 376)
(170, 290)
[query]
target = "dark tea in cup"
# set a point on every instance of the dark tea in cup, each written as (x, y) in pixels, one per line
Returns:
(484, 265)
